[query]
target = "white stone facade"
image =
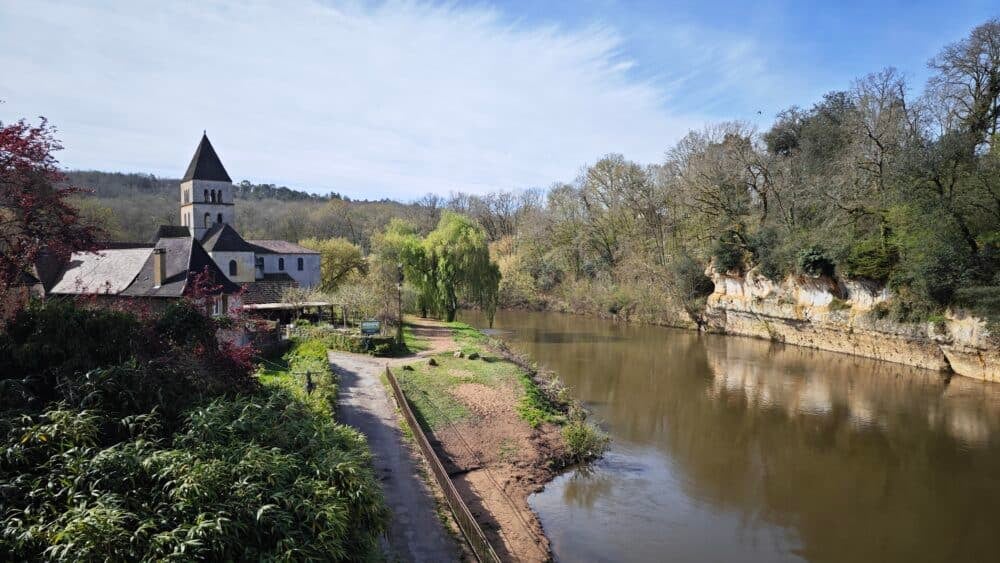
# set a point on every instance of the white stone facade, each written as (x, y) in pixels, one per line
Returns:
(205, 203)
(307, 275)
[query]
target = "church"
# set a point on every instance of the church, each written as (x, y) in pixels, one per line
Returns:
(247, 271)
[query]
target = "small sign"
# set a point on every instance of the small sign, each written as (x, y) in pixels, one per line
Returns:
(370, 328)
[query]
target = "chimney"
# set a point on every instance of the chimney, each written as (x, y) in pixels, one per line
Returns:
(159, 266)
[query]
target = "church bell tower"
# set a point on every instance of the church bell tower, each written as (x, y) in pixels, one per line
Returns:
(206, 192)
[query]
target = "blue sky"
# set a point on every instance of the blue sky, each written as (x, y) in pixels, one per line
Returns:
(400, 98)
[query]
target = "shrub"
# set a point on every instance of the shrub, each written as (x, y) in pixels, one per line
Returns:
(252, 478)
(910, 306)
(814, 261)
(769, 255)
(184, 323)
(879, 311)
(689, 284)
(871, 259)
(584, 441)
(728, 255)
(837, 304)
(57, 336)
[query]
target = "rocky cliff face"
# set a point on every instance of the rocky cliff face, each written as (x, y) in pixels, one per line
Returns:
(835, 315)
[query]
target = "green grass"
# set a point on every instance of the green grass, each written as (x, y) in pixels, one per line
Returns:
(469, 338)
(288, 372)
(427, 387)
(413, 342)
(534, 406)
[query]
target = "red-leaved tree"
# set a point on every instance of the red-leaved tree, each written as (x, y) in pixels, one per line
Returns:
(34, 214)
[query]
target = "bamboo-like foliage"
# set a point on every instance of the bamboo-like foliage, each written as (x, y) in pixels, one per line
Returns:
(261, 477)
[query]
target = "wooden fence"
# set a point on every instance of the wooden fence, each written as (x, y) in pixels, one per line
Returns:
(470, 528)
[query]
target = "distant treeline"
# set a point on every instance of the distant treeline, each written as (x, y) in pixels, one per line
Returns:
(130, 206)
(119, 184)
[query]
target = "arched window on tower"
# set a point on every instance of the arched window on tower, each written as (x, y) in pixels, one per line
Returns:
(213, 196)
(301, 264)
(232, 267)
(220, 217)
(281, 264)
(208, 220)
(206, 196)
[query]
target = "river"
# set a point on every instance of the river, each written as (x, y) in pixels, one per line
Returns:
(733, 449)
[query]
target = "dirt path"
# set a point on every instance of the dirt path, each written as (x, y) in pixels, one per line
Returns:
(415, 532)
(436, 334)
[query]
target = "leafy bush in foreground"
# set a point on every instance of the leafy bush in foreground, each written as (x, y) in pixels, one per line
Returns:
(259, 477)
(124, 446)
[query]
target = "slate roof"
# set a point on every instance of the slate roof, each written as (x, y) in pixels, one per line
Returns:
(280, 247)
(170, 231)
(185, 259)
(269, 289)
(129, 271)
(108, 271)
(205, 164)
(223, 238)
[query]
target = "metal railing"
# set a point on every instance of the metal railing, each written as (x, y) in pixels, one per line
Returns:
(470, 528)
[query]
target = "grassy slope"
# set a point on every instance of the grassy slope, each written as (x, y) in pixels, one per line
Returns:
(427, 387)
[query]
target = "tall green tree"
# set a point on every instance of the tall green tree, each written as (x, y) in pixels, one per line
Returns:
(339, 260)
(462, 266)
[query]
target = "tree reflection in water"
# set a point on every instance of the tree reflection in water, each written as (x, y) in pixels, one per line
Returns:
(730, 448)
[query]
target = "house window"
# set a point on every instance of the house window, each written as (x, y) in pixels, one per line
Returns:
(208, 220)
(220, 217)
(301, 264)
(217, 306)
(281, 264)
(232, 267)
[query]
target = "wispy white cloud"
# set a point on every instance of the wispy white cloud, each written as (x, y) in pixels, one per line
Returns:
(392, 100)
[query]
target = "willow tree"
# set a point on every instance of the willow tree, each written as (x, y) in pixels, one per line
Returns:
(459, 255)
(400, 246)
(451, 266)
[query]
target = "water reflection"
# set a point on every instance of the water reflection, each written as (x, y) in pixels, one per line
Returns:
(730, 449)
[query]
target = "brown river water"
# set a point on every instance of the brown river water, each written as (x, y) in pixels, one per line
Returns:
(734, 449)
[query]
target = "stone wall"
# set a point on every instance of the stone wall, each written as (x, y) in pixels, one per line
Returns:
(835, 315)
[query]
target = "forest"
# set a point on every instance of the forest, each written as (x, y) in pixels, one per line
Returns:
(884, 180)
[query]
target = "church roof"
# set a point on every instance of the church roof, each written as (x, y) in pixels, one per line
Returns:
(170, 231)
(205, 164)
(129, 271)
(223, 238)
(185, 259)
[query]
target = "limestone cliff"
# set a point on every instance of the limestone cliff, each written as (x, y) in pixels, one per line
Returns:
(836, 315)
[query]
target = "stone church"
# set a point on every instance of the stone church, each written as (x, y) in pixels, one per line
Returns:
(260, 270)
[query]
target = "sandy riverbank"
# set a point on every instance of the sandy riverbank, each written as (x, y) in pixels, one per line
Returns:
(474, 415)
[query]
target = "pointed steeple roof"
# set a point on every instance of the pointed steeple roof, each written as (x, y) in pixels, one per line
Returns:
(205, 164)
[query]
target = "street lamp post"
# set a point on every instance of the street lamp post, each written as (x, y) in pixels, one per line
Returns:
(399, 304)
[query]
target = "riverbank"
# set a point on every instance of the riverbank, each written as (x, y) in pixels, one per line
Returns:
(501, 431)
(849, 317)
(845, 316)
